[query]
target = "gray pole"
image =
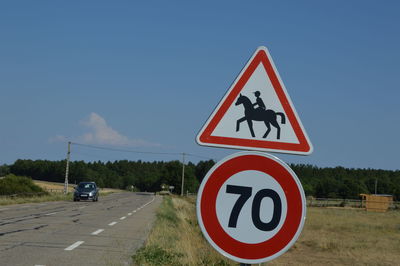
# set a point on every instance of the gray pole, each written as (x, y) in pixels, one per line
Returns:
(183, 172)
(67, 169)
(376, 184)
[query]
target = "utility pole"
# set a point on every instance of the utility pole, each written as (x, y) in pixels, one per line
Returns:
(183, 172)
(67, 168)
(376, 184)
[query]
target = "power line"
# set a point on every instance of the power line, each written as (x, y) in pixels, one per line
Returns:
(141, 152)
(93, 155)
(200, 156)
(133, 151)
(124, 150)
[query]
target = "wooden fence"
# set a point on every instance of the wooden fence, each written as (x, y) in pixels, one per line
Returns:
(351, 203)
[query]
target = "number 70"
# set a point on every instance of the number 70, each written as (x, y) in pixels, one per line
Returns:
(245, 194)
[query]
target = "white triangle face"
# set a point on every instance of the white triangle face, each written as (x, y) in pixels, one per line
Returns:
(259, 81)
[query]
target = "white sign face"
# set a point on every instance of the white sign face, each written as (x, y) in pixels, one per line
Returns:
(245, 230)
(256, 113)
(258, 82)
(251, 207)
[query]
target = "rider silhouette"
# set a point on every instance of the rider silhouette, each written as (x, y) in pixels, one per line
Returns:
(259, 101)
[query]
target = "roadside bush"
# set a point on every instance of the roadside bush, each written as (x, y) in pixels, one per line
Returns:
(12, 184)
(155, 255)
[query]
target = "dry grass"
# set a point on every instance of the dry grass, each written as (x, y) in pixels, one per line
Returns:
(329, 237)
(346, 237)
(52, 185)
(176, 238)
(60, 186)
(5, 200)
(55, 194)
(191, 242)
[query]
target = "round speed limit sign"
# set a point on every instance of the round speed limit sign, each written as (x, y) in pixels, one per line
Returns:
(251, 207)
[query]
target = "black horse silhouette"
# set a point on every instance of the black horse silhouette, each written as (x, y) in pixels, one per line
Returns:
(259, 114)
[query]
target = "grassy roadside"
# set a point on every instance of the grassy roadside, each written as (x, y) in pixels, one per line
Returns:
(329, 237)
(176, 238)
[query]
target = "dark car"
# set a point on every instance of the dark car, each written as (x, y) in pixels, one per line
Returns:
(86, 191)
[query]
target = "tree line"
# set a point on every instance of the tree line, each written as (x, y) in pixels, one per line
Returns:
(123, 174)
(328, 182)
(347, 183)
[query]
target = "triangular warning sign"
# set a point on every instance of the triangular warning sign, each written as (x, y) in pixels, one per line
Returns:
(256, 113)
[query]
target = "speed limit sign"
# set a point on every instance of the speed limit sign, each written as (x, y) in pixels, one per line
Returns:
(251, 207)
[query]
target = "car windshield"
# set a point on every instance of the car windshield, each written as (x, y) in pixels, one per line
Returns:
(86, 186)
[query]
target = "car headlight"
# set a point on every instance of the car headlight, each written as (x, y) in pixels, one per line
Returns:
(90, 194)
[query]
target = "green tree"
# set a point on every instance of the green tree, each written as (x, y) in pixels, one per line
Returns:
(202, 168)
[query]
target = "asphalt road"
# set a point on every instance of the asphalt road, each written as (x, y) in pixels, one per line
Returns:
(106, 232)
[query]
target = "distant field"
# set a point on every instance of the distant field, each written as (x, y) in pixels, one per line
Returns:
(51, 185)
(55, 194)
(346, 237)
(60, 186)
(331, 236)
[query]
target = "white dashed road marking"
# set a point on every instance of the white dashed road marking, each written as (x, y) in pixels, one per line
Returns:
(111, 224)
(122, 218)
(97, 232)
(148, 202)
(75, 245)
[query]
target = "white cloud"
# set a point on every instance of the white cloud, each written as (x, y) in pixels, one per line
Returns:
(101, 133)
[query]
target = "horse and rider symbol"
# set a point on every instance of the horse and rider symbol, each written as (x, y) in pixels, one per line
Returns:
(268, 116)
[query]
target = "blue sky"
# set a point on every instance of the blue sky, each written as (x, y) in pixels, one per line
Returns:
(146, 75)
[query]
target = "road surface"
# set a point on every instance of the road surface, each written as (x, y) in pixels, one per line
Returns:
(106, 232)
